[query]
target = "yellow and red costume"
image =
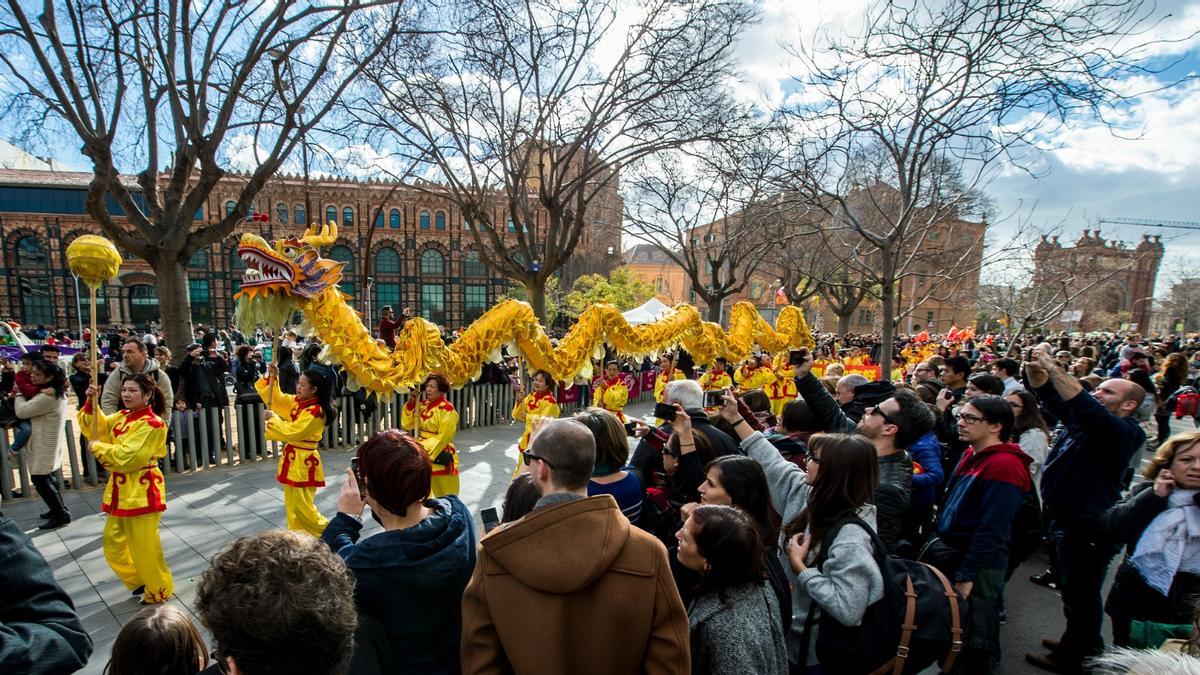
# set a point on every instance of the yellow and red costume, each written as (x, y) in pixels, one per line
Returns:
(528, 410)
(660, 386)
(754, 378)
(783, 389)
(298, 424)
(612, 395)
(713, 381)
(129, 444)
(439, 423)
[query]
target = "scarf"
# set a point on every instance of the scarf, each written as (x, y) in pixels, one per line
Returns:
(1171, 543)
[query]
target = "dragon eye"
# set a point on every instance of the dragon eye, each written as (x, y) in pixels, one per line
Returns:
(289, 251)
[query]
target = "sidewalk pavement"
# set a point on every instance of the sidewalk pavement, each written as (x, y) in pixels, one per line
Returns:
(209, 509)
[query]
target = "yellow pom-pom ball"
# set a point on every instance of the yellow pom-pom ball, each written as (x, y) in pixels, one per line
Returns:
(93, 259)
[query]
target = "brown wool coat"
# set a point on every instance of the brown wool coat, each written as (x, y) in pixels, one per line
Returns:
(573, 589)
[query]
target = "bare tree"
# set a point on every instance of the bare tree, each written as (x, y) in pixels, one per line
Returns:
(924, 86)
(159, 90)
(1182, 303)
(718, 220)
(524, 117)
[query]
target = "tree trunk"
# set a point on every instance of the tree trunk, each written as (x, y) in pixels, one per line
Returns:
(714, 309)
(887, 305)
(843, 326)
(174, 303)
(535, 289)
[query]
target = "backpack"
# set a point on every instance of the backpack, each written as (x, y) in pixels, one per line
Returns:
(1187, 404)
(918, 621)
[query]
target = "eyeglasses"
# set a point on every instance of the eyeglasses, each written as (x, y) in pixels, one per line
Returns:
(810, 457)
(529, 457)
(969, 418)
(874, 410)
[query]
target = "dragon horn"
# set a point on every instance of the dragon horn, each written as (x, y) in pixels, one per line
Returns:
(323, 237)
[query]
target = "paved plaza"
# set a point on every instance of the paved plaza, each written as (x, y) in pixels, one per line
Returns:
(209, 509)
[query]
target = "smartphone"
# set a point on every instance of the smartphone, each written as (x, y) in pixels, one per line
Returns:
(354, 468)
(664, 411)
(656, 439)
(490, 519)
(796, 357)
(713, 399)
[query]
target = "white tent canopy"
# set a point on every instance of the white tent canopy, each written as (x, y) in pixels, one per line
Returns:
(650, 311)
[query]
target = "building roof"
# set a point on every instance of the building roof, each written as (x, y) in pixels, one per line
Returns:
(647, 254)
(54, 179)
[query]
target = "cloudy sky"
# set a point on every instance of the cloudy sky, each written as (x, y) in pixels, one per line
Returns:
(1085, 172)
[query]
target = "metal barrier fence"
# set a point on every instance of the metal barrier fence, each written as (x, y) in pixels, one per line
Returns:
(225, 436)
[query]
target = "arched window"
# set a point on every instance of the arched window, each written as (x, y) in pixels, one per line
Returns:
(143, 304)
(472, 266)
(433, 303)
(387, 261)
(343, 254)
(432, 263)
(281, 214)
(330, 214)
(200, 259)
(511, 227)
(229, 207)
(379, 218)
(439, 220)
(394, 219)
(348, 216)
(31, 254)
(301, 216)
(424, 220)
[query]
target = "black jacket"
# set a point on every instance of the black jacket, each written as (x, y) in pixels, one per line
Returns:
(40, 631)
(245, 377)
(204, 380)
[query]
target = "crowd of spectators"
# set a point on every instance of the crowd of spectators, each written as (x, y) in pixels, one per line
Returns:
(718, 545)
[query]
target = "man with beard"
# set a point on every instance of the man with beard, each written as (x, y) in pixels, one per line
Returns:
(891, 426)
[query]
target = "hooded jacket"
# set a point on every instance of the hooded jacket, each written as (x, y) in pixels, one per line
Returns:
(984, 496)
(865, 395)
(407, 580)
(573, 588)
(110, 396)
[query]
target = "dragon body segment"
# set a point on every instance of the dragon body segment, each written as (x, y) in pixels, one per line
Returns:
(289, 274)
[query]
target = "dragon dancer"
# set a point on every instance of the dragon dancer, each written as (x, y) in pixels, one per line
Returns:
(612, 394)
(667, 373)
(716, 379)
(129, 444)
(298, 422)
(435, 432)
(539, 403)
(783, 389)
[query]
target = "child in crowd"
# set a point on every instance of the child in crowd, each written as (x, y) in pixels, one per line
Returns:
(160, 640)
(24, 386)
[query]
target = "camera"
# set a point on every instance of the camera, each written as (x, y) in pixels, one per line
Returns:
(490, 519)
(796, 357)
(714, 398)
(657, 439)
(664, 411)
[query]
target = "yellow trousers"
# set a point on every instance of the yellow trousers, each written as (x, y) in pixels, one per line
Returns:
(440, 486)
(134, 552)
(302, 514)
(777, 406)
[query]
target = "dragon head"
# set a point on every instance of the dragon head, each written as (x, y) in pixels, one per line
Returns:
(289, 266)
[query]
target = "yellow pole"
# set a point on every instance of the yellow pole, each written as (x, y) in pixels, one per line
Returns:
(95, 372)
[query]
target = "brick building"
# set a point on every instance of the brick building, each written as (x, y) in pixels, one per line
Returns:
(1121, 280)
(421, 256)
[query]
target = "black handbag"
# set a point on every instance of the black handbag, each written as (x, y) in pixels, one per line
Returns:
(8, 413)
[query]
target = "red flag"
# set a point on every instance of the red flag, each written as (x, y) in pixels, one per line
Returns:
(781, 296)
(954, 333)
(923, 336)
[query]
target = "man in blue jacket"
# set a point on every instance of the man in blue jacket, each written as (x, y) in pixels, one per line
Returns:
(1083, 476)
(984, 496)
